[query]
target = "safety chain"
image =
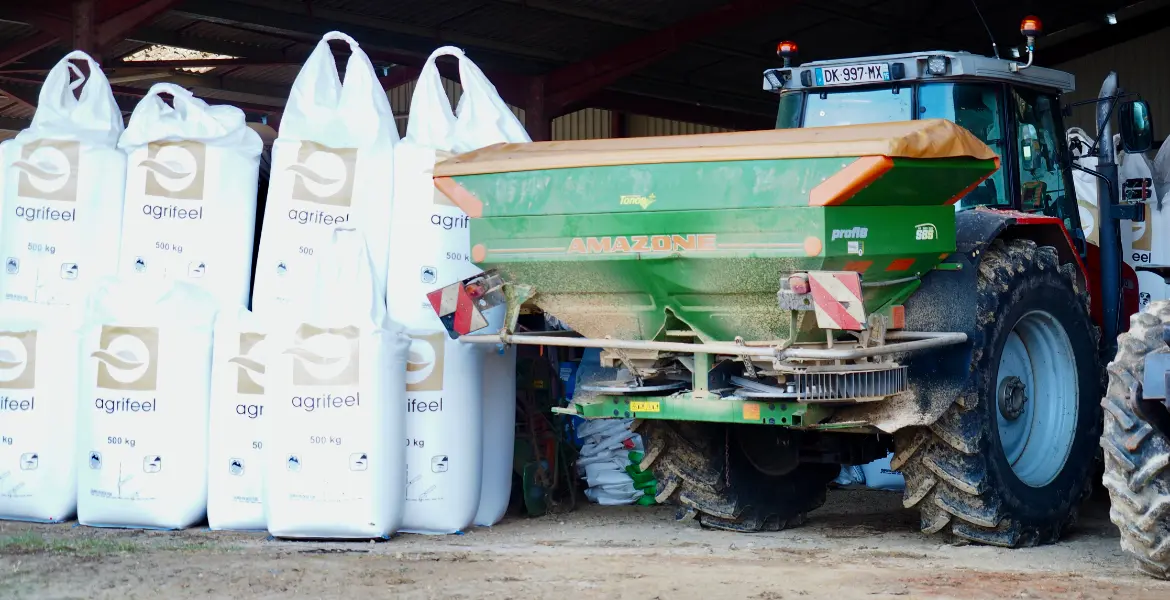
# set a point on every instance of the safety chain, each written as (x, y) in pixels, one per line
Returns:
(748, 368)
(621, 354)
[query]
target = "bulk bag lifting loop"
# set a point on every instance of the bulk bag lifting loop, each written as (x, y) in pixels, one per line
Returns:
(332, 166)
(191, 186)
(62, 182)
(92, 115)
(321, 105)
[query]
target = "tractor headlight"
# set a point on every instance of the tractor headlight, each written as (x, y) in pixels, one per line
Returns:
(937, 65)
(772, 80)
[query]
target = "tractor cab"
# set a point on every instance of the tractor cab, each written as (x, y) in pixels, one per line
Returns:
(1014, 111)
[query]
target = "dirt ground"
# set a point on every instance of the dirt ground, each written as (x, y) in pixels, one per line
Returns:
(860, 545)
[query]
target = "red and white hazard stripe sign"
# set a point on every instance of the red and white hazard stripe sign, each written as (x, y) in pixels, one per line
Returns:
(837, 299)
(456, 308)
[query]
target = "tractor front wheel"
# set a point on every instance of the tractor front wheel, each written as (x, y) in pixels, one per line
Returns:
(1137, 451)
(1011, 461)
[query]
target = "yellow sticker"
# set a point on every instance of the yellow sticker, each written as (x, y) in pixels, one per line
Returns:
(751, 411)
(645, 407)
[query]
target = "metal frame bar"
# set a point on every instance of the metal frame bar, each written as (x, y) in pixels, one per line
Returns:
(914, 340)
(709, 408)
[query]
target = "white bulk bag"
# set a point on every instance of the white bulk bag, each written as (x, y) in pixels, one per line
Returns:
(1152, 287)
(430, 248)
(335, 411)
(39, 359)
(499, 434)
(444, 432)
(332, 166)
(190, 209)
(234, 480)
(145, 388)
(1141, 242)
(62, 184)
(1084, 184)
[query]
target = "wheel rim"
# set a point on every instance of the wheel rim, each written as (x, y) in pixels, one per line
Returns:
(1037, 398)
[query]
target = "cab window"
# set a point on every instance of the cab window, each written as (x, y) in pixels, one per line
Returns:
(791, 109)
(976, 107)
(1038, 150)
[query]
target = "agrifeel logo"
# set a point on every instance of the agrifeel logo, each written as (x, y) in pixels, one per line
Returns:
(325, 356)
(128, 358)
(250, 370)
(18, 356)
(175, 170)
(48, 170)
(323, 175)
(424, 362)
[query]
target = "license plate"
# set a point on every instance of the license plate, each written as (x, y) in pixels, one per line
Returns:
(870, 73)
(645, 407)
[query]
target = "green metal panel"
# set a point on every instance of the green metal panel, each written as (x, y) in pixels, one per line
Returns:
(673, 186)
(601, 271)
(625, 251)
(712, 185)
(923, 182)
(686, 407)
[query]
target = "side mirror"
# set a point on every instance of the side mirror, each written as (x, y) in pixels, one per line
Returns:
(1137, 127)
(1029, 147)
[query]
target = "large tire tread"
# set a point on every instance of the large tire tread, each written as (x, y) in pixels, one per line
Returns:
(689, 462)
(946, 465)
(1137, 452)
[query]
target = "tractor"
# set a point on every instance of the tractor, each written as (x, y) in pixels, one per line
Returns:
(899, 266)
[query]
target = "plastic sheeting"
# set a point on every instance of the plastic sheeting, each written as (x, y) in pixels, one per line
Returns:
(928, 138)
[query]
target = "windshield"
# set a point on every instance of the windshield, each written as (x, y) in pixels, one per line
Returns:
(975, 106)
(858, 107)
(1025, 125)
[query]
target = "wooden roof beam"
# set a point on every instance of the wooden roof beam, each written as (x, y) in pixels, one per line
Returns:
(576, 81)
(116, 27)
(23, 48)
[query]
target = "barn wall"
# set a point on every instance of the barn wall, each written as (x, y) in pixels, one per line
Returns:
(1142, 65)
(640, 126)
(587, 124)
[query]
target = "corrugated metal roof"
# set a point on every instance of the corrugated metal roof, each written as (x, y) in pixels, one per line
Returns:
(277, 74)
(723, 70)
(216, 31)
(422, 14)
(10, 32)
(652, 12)
(13, 109)
(571, 39)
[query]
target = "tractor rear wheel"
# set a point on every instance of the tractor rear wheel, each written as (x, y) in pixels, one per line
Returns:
(701, 468)
(1137, 451)
(1009, 463)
